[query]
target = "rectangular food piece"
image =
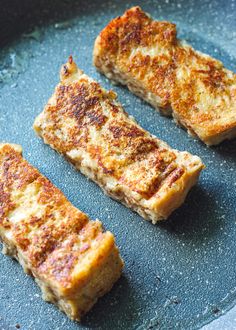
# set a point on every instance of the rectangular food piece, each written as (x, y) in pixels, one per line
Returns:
(89, 127)
(73, 261)
(193, 87)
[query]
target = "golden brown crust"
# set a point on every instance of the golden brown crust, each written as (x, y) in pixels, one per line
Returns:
(57, 242)
(146, 56)
(87, 125)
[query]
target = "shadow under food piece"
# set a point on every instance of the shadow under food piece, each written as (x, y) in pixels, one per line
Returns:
(197, 217)
(227, 149)
(116, 310)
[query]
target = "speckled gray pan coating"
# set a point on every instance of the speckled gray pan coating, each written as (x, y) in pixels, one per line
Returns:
(178, 275)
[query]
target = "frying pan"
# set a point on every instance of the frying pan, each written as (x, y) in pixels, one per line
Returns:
(179, 274)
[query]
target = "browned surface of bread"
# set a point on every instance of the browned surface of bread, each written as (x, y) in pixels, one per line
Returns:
(88, 126)
(72, 259)
(195, 88)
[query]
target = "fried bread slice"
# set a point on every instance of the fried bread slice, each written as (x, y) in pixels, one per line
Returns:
(71, 258)
(194, 88)
(87, 124)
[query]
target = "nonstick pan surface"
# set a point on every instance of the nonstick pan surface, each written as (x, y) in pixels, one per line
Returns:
(179, 274)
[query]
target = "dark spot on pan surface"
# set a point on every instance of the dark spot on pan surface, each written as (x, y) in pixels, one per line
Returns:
(193, 253)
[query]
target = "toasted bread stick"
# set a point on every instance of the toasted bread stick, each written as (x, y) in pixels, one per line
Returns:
(177, 80)
(73, 261)
(87, 124)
